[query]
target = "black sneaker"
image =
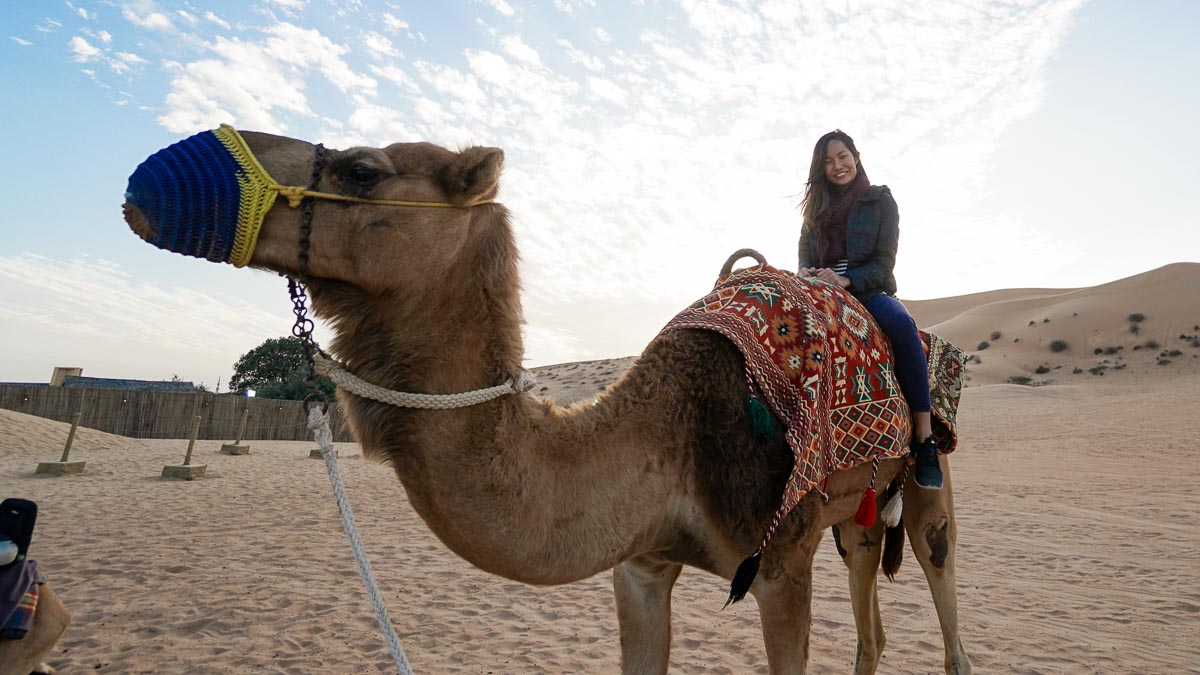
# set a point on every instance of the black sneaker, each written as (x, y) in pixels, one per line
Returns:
(928, 473)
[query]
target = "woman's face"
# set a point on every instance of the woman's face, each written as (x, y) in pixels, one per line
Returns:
(840, 168)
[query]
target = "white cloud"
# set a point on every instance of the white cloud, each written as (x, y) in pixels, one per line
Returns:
(308, 48)
(101, 35)
(502, 7)
(606, 90)
(393, 24)
(49, 26)
(292, 5)
(602, 35)
(217, 20)
(145, 14)
(84, 50)
(581, 57)
(83, 13)
(188, 18)
(397, 77)
(568, 6)
(379, 46)
(119, 62)
(23, 43)
(258, 86)
(517, 49)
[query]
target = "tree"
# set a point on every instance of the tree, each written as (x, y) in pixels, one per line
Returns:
(276, 369)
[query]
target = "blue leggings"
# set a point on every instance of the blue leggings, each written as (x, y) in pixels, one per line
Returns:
(912, 370)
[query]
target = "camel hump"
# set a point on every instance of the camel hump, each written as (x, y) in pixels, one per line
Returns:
(738, 255)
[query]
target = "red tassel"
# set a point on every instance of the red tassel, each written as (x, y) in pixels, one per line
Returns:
(866, 509)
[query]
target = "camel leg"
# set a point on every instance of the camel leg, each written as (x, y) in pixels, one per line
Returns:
(50, 621)
(643, 590)
(929, 521)
(785, 608)
(861, 548)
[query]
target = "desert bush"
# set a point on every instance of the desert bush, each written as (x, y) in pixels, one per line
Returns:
(1136, 347)
(1119, 366)
(1045, 320)
(1058, 346)
(1112, 350)
(1077, 371)
(1196, 342)
(1019, 379)
(1163, 362)
(983, 345)
(995, 335)
(1016, 339)
(1135, 327)
(1032, 322)
(976, 359)
(1098, 351)
(1150, 344)
(1137, 316)
(1097, 370)
(1041, 370)
(1174, 352)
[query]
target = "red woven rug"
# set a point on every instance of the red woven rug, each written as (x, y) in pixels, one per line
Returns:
(824, 368)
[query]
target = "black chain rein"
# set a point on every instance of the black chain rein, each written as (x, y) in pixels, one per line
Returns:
(303, 327)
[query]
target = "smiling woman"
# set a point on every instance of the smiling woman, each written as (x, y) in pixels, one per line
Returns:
(851, 232)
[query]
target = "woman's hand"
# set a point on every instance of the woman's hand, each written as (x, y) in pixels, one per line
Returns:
(829, 276)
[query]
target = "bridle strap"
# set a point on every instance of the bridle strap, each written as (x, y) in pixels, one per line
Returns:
(295, 194)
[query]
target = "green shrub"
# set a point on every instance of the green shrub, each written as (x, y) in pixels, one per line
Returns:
(1041, 370)
(1019, 379)
(1150, 344)
(983, 345)
(1137, 316)
(1058, 346)
(995, 335)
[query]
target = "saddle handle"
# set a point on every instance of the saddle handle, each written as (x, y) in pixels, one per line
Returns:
(738, 255)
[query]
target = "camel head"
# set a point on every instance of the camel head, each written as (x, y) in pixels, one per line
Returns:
(211, 196)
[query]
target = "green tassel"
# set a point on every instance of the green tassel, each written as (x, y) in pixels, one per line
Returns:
(761, 422)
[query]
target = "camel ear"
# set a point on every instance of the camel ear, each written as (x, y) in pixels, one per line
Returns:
(473, 175)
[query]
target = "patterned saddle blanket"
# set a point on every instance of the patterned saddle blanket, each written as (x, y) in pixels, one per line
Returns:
(824, 368)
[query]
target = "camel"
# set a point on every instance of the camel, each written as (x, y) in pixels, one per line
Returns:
(656, 473)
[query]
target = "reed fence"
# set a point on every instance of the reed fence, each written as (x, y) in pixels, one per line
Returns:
(155, 414)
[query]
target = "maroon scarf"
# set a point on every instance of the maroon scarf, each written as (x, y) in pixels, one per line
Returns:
(831, 223)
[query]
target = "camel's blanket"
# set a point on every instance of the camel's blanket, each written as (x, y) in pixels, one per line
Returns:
(18, 598)
(825, 369)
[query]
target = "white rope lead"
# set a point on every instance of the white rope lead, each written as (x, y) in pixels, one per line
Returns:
(359, 387)
(318, 422)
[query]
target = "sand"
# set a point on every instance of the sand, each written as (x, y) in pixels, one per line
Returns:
(1077, 507)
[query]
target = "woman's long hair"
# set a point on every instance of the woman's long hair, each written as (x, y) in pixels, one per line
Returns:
(818, 191)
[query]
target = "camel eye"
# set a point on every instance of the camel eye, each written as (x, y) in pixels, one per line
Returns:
(363, 175)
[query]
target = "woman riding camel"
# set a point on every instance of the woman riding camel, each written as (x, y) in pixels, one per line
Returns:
(850, 235)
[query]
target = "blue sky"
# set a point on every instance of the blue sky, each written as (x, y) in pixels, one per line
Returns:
(1029, 143)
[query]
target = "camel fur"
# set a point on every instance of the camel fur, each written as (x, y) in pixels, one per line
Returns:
(660, 472)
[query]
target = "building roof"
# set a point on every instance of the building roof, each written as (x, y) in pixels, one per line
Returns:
(80, 382)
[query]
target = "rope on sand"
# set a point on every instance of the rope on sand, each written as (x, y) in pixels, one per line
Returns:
(318, 422)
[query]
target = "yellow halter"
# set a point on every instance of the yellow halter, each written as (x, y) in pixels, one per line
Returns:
(296, 193)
